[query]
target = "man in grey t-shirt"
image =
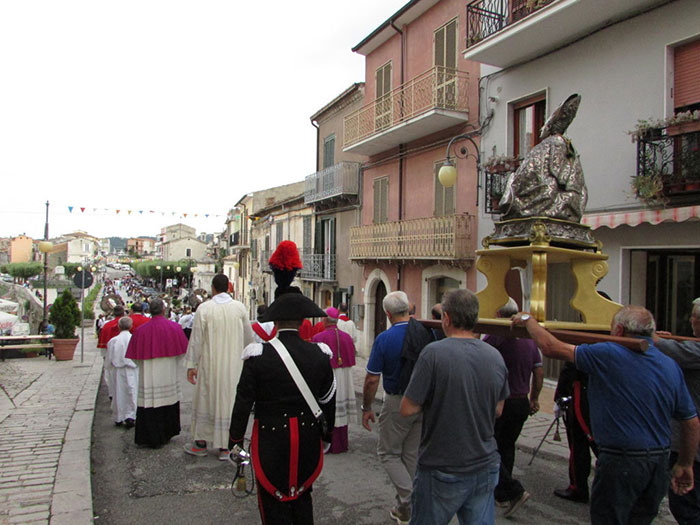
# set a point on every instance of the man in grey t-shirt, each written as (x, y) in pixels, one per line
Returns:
(460, 383)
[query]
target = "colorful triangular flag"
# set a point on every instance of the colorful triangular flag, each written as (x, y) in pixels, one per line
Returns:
(82, 210)
(70, 209)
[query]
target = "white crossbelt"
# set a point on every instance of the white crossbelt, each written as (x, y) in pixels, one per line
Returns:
(296, 376)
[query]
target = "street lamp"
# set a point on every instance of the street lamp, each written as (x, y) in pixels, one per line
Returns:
(448, 172)
(45, 247)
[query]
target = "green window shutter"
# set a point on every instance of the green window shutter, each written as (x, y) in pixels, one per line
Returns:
(451, 45)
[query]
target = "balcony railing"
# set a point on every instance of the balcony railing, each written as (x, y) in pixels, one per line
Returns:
(486, 17)
(318, 267)
(333, 181)
(668, 163)
(437, 88)
(434, 238)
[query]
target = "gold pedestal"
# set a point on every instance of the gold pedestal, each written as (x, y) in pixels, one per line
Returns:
(587, 268)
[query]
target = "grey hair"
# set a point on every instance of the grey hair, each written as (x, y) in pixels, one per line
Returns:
(696, 308)
(635, 320)
(125, 323)
(156, 306)
(462, 306)
(509, 309)
(396, 303)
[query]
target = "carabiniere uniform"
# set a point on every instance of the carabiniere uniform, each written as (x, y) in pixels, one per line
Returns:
(286, 445)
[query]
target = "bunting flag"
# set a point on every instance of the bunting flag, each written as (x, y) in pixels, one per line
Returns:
(99, 211)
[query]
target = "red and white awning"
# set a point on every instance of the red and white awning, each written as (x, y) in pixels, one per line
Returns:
(635, 218)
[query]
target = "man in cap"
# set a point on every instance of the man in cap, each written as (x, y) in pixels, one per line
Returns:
(342, 362)
(286, 445)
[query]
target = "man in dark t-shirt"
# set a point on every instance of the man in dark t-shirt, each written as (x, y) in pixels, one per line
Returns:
(460, 384)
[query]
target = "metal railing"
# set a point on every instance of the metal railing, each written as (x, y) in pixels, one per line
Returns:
(440, 238)
(437, 88)
(318, 266)
(333, 181)
(486, 17)
(668, 159)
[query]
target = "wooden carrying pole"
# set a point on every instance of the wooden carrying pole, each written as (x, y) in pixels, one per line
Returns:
(503, 328)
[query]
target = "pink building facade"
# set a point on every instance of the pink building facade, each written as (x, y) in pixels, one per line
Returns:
(415, 235)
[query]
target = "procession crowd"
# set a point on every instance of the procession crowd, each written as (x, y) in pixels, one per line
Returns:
(454, 405)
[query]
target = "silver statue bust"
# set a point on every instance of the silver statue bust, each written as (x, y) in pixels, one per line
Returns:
(549, 181)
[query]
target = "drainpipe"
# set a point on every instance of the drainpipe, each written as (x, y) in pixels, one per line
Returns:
(402, 147)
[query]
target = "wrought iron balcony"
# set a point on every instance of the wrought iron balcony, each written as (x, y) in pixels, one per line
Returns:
(486, 17)
(318, 267)
(337, 182)
(447, 239)
(434, 100)
(668, 164)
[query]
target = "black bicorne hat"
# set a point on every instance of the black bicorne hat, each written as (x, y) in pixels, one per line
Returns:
(289, 304)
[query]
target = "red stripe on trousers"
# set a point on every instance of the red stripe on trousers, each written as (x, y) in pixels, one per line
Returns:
(293, 452)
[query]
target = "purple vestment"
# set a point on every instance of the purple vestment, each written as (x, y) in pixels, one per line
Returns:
(157, 338)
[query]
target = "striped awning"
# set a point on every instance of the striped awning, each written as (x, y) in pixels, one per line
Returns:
(635, 218)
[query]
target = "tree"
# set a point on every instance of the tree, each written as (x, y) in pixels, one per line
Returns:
(23, 270)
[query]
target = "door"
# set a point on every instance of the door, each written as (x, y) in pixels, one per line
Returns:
(673, 281)
(379, 314)
(445, 54)
(383, 105)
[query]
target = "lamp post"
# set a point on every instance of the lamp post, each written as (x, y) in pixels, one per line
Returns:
(45, 247)
(448, 172)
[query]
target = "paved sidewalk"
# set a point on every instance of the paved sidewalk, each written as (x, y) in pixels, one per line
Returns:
(46, 412)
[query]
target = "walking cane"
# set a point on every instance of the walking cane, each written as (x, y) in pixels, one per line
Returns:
(562, 403)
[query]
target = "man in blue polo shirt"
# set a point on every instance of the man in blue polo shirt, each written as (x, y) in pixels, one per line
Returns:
(632, 397)
(399, 436)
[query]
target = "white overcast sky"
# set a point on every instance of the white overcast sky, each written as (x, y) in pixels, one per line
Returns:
(165, 105)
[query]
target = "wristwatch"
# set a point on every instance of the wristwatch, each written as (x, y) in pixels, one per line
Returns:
(364, 409)
(525, 317)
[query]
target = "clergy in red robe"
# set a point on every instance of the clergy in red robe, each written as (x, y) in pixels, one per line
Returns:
(342, 362)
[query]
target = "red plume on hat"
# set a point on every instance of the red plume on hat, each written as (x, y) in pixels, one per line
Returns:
(285, 263)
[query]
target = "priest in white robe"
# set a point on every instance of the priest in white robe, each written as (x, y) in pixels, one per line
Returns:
(219, 333)
(124, 376)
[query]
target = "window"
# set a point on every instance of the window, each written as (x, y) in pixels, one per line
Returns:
(254, 249)
(381, 199)
(280, 232)
(307, 248)
(444, 197)
(383, 106)
(329, 151)
(188, 252)
(528, 119)
(445, 52)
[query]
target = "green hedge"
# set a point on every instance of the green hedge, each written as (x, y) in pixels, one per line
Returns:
(89, 302)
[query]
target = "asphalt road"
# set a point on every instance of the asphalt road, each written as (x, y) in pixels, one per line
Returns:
(166, 486)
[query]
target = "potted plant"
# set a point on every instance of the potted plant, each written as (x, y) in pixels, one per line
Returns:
(649, 188)
(65, 317)
(501, 164)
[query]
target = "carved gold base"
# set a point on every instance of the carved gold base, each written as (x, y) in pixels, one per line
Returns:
(542, 231)
(587, 268)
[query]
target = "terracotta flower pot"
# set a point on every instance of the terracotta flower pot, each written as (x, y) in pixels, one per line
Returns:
(63, 349)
